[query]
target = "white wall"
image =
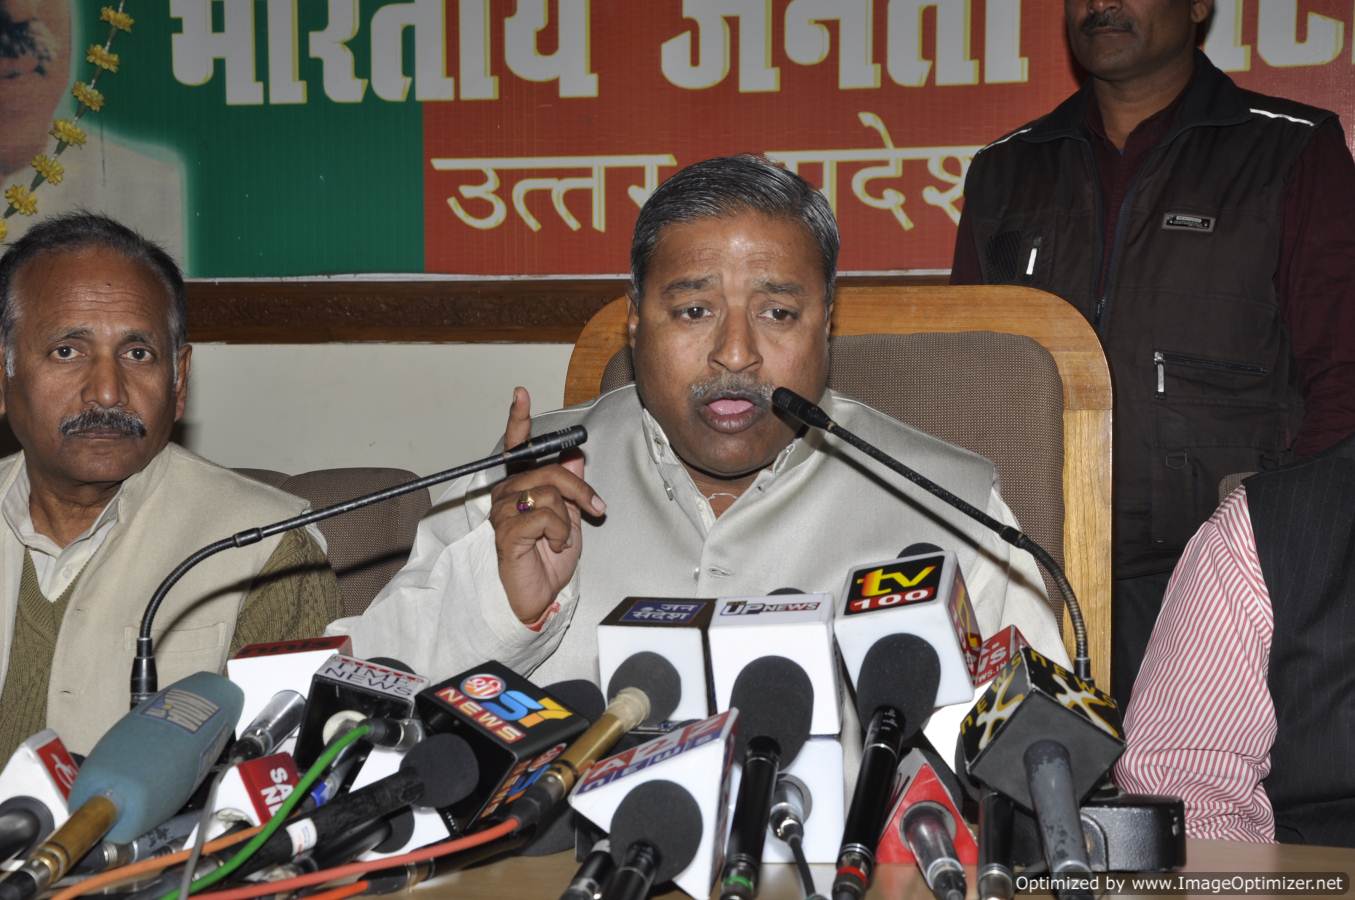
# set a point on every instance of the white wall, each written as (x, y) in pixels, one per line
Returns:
(422, 407)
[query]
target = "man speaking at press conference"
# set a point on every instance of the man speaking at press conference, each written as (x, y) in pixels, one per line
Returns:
(100, 506)
(691, 485)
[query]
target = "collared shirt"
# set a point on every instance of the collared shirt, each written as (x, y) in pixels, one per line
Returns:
(816, 512)
(56, 566)
(1201, 723)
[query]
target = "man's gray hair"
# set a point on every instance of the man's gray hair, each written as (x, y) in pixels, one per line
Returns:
(726, 186)
(77, 231)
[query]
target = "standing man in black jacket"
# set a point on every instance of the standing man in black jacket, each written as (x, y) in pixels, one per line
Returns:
(1208, 234)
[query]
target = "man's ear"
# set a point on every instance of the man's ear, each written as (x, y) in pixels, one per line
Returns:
(632, 320)
(183, 362)
(1200, 11)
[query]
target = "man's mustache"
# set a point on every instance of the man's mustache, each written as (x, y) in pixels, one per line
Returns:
(1106, 19)
(97, 419)
(733, 387)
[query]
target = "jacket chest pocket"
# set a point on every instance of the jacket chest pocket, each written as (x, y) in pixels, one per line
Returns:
(1018, 257)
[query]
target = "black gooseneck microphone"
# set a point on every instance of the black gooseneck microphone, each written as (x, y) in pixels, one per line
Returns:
(895, 693)
(775, 700)
(144, 678)
(811, 414)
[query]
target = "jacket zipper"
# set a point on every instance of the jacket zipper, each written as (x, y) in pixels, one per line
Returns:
(1125, 203)
(1161, 359)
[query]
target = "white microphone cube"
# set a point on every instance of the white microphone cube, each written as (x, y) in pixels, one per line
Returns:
(262, 670)
(698, 757)
(819, 767)
(674, 629)
(923, 595)
(796, 626)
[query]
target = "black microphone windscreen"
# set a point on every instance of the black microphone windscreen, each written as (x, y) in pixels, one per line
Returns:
(654, 675)
(580, 696)
(664, 814)
(900, 671)
(391, 662)
(446, 766)
(786, 590)
(399, 829)
(775, 699)
(918, 549)
(790, 402)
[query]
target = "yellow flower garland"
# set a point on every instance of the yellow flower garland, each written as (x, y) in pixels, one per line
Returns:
(67, 133)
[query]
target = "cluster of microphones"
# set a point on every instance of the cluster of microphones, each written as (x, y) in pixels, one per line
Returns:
(723, 737)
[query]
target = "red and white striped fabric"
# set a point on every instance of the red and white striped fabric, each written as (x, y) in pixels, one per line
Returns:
(1201, 721)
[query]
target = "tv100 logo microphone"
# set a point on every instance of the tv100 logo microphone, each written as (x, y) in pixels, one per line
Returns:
(929, 586)
(514, 728)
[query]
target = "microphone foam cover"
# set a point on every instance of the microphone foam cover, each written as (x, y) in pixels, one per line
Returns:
(918, 549)
(788, 401)
(391, 662)
(580, 696)
(786, 590)
(654, 675)
(401, 829)
(447, 767)
(901, 671)
(775, 699)
(662, 813)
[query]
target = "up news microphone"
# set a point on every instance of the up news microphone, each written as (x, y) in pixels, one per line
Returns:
(793, 404)
(124, 789)
(1044, 737)
(799, 626)
(34, 787)
(895, 693)
(144, 678)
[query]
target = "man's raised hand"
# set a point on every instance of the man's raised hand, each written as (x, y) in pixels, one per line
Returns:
(537, 521)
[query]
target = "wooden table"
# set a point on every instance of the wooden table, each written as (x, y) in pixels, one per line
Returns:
(544, 878)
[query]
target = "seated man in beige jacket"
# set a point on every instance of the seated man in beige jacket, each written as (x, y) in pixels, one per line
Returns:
(708, 491)
(99, 506)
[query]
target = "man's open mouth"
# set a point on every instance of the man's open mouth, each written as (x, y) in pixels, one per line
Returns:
(732, 411)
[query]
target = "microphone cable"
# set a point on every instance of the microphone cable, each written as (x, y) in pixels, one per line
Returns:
(797, 850)
(316, 770)
(200, 838)
(138, 870)
(324, 876)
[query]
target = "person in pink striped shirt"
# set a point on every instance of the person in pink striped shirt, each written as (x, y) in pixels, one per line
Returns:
(1245, 704)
